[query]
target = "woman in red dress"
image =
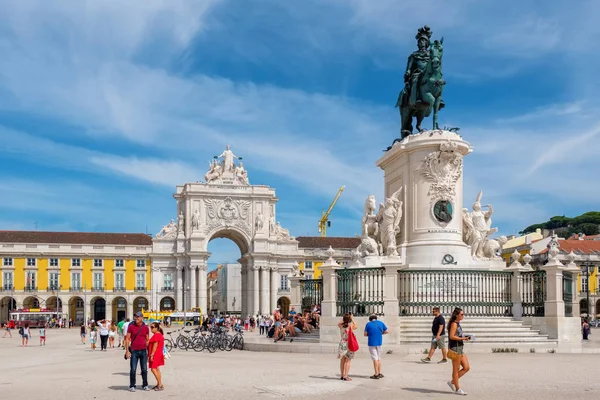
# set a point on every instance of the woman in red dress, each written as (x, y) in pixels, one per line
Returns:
(156, 357)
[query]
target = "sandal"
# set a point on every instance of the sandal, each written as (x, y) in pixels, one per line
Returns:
(158, 388)
(346, 378)
(374, 377)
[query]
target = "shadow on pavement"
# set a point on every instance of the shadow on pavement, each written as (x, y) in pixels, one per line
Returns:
(426, 391)
(124, 387)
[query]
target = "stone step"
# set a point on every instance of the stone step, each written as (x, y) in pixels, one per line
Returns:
(490, 340)
(473, 330)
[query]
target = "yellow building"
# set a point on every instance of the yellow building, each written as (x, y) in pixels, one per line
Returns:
(522, 244)
(94, 275)
(315, 248)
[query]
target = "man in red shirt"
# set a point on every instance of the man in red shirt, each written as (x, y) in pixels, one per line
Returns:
(136, 345)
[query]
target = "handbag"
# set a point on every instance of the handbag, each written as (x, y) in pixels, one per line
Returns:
(132, 340)
(453, 355)
(352, 341)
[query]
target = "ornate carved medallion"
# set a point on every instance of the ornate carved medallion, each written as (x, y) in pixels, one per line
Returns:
(443, 168)
(442, 211)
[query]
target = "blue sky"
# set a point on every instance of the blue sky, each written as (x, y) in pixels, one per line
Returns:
(106, 106)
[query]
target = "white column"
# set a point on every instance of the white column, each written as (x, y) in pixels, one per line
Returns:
(264, 290)
(129, 309)
(109, 310)
(179, 289)
(192, 283)
(244, 299)
(255, 288)
(202, 289)
(274, 285)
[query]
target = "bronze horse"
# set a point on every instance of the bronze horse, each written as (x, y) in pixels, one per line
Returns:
(430, 85)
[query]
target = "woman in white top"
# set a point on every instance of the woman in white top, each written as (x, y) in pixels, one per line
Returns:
(103, 327)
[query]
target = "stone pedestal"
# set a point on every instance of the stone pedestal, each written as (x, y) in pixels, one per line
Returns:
(428, 166)
(328, 304)
(517, 288)
(296, 295)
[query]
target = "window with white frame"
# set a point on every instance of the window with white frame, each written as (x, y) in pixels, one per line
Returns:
(7, 280)
(31, 262)
(76, 280)
(140, 281)
(31, 280)
(98, 281)
(8, 262)
(98, 262)
(308, 265)
(284, 282)
(308, 276)
(53, 279)
(75, 262)
(53, 262)
(120, 280)
(584, 284)
(168, 281)
(141, 264)
(119, 263)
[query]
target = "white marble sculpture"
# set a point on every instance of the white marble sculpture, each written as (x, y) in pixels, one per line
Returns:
(196, 220)
(258, 223)
(215, 171)
(241, 174)
(368, 247)
(228, 156)
(477, 226)
(493, 247)
(282, 233)
(370, 226)
(168, 231)
(388, 217)
(180, 223)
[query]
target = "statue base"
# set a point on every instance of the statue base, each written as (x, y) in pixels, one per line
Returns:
(429, 166)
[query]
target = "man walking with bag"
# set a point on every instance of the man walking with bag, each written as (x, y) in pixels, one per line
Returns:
(136, 345)
(375, 330)
(438, 341)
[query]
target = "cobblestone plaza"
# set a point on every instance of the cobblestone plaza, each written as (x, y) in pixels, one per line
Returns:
(66, 369)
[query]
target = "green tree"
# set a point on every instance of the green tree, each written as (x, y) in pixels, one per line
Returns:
(585, 228)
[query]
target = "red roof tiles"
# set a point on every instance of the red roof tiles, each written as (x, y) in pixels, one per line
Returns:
(317, 242)
(37, 237)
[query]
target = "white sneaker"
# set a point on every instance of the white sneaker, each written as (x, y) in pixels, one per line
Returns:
(132, 389)
(461, 392)
(451, 386)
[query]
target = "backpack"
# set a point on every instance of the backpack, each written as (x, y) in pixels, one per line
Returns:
(21, 331)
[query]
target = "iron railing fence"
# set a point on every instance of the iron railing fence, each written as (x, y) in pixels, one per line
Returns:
(311, 291)
(360, 291)
(478, 293)
(533, 293)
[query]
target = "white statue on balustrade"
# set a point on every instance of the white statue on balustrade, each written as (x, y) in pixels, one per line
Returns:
(477, 226)
(168, 231)
(370, 226)
(180, 223)
(282, 233)
(389, 217)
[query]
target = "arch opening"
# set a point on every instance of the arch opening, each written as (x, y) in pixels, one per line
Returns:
(284, 305)
(31, 302)
(98, 306)
(119, 308)
(224, 280)
(583, 306)
(76, 310)
(167, 304)
(6, 305)
(140, 303)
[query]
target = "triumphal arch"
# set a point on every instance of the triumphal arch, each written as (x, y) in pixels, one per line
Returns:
(224, 205)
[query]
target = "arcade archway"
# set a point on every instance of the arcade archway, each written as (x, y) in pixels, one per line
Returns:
(583, 306)
(51, 304)
(98, 308)
(6, 305)
(31, 302)
(284, 305)
(119, 308)
(76, 310)
(140, 303)
(167, 304)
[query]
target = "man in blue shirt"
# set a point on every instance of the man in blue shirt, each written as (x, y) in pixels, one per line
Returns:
(375, 330)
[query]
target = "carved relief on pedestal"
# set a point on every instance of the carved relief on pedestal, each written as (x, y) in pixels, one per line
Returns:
(443, 168)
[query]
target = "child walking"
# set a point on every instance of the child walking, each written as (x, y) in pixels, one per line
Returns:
(42, 336)
(93, 336)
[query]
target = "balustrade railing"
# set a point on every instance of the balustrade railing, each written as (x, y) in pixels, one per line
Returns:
(311, 291)
(568, 293)
(360, 291)
(478, 293)
(533, 293)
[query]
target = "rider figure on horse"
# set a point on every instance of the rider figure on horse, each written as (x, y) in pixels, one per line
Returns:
(417, 62)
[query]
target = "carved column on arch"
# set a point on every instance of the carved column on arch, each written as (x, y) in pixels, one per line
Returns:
(179, 288)
(244, 291)
(202, 289)
(264, 290)
(192, 282)
(274, 283)
(255, 290)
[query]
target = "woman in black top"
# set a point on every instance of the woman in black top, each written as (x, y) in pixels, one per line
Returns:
(455, 344)
(82, 333)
